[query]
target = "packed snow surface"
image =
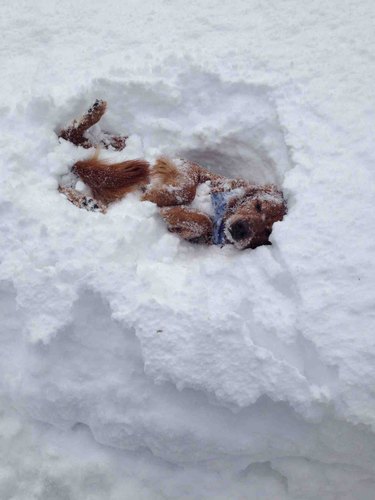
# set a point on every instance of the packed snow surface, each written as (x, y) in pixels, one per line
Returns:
(135, 365)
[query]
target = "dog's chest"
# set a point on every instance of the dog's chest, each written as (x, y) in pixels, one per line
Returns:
(215, 205)
(202, 200)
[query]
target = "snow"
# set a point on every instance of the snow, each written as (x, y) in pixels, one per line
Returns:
(135, 365)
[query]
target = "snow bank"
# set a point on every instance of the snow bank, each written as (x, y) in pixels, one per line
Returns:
(160, 368)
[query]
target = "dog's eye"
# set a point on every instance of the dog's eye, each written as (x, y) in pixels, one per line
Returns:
(258, 206)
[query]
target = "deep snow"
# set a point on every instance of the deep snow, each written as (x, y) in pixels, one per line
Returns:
(135, 365)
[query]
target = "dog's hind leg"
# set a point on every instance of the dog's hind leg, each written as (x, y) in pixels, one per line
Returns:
(172, 184)
(75, 132)
(188, 223)
(81, 200)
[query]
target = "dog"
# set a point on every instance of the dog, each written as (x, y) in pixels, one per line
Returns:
(240, 213)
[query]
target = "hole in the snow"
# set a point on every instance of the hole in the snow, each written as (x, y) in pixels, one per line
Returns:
(230, 128)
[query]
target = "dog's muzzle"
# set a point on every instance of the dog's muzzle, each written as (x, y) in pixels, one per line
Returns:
(240, 230)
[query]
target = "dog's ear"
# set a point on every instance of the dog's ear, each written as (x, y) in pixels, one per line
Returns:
(245, 194)
(270, 203)
(250, 217)
(275, 197)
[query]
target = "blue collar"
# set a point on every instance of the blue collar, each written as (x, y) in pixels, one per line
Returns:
(219, 203)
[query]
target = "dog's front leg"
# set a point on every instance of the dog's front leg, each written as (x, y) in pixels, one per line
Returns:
(188, 223)
(166, 196)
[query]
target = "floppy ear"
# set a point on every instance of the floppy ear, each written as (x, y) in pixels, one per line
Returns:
(268, 195)
(272, 203)
(278, 211)
(235, 201)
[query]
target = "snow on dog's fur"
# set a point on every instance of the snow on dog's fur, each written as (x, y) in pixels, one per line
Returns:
(243, 215)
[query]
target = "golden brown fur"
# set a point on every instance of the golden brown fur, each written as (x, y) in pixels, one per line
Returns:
(112, 181)
(172, 184)
(188, 223)
(75, 132)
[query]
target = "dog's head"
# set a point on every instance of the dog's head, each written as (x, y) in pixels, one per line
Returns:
(249, 217)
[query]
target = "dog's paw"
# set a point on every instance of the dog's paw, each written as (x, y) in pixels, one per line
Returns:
(116, 142)
(82, 201)
(188, 223)
(97, 109)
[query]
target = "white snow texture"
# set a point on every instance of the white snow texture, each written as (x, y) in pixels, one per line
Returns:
(135, 365)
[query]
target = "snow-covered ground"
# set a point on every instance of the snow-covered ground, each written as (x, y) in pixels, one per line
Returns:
(137, 366)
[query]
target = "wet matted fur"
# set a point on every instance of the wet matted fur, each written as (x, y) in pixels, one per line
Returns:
(243, 213)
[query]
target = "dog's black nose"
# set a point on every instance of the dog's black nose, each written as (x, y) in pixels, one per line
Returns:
(240, 230)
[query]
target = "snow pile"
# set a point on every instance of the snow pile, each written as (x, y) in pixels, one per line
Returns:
(161, 369)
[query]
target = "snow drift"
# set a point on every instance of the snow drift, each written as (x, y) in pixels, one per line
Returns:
(202, 372)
